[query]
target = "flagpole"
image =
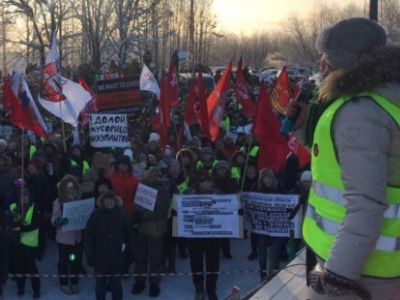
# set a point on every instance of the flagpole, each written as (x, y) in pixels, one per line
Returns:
(245, 166)
(22, 175)
(63, 130)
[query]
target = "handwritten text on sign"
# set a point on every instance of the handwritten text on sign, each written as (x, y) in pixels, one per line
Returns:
(268, 214)
(208, 216)
(109, 130)
(77, 213)
(146, 197)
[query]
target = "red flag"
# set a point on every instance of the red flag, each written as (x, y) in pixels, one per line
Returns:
(164, 114)
(202, 117)
(216, 103)
(273, 146)
(282, 92)
(297, 148)
(20, 112)
(172, 81)
(191, 103)
(242, 93)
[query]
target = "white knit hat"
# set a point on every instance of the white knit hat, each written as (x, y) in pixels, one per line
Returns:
(154, 137)
(306, 176)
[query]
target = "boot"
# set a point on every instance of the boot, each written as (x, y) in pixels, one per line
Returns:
(199, 294)
(252, 256)
(36, 294)
(138, 288)
(75, 289)
(66, 289)
(154, 291)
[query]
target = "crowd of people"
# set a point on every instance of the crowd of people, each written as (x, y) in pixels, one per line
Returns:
(118, 234)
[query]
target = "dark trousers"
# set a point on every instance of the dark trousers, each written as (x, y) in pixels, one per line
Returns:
(149, 257)
(226, 247)
(103, 283)
(208, 249)
(269, 250)
(23, 261)
(69, 269)
(253, 238)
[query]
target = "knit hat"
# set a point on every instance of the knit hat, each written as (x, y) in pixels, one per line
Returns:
(346, 41)
(154, 137)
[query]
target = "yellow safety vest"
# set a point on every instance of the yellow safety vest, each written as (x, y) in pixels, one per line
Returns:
(326, 205)
(29, 238)
(85, 166)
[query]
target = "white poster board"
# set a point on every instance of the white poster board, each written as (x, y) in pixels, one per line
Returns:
(77, 213)
(208, 216)
(108, 130)
(146, 197)
(268, 214)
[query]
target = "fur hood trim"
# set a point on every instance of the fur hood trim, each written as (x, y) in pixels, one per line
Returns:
(374, 71)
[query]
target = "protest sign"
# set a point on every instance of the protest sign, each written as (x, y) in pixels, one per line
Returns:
(77, 213)
(146, 197)
(117, 93)
(208, 216)
(108, 130)
(268, 214)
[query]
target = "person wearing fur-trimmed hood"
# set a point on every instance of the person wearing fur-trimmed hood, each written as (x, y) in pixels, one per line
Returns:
(351, 222)
(108, 236)
(70, 242)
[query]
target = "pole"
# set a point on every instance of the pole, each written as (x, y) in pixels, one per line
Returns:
(63, 130)
(192, 32)
(245, 166)
(3, 19)
(373, 10)
(22, 174)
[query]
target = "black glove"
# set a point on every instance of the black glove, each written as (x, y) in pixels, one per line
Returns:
(326, 282)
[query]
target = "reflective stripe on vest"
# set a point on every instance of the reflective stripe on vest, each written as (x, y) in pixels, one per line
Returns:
(29, 238)
(235, 173)
(85, 166)
(182, 187)
(326, 209)
(32, 151)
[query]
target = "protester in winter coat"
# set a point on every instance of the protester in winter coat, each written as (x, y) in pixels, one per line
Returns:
(151, 227)
(41, 192)
(101, 185)
(269, 248)
(289, 177)
(251, 185)
(225, 184)
(124, 183)
(355, 165)
(204, 248)
(187, 161)
(77, 164)
(108, 236)
(7, 178)
(170, 242)
(22, 227)
(70, 242)
(207, 159)
(4, 253)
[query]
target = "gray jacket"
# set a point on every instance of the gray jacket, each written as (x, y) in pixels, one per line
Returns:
(368, 144)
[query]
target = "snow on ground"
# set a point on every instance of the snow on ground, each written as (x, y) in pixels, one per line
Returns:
(177, 287)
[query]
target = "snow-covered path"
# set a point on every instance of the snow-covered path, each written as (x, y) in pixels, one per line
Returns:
(177, 287)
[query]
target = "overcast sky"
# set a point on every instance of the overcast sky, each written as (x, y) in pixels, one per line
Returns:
(247, 16)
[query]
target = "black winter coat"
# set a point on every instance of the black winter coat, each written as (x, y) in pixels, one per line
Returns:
(107, 231)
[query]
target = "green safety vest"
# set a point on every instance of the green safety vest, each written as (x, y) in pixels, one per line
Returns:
(235, 173)
(253, 152)
(183, 186)
(226, 124)
(29, 238)
(326, 209)
(85, 166)
(200, 164)
(32, 151)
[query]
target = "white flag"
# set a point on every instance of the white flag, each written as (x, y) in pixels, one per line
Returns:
(60, 96)
(148, 82)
